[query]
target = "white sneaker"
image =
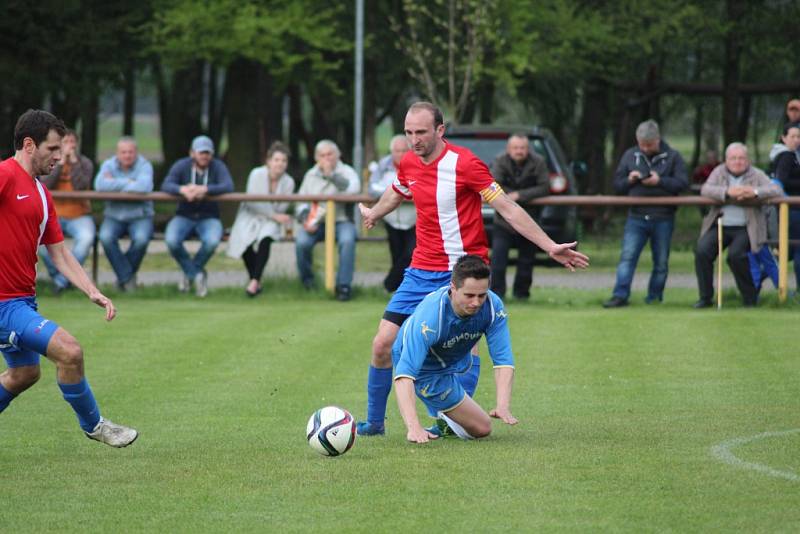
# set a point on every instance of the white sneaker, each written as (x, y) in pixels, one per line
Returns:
(184, 284)
(201, 284)
(113, 434)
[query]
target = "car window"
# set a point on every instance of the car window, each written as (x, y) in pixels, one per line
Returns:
(487, 149)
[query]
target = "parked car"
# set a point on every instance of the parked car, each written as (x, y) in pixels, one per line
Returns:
(488, 142)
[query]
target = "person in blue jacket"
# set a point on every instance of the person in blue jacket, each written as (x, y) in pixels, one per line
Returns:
(432, 358)
(195, 178)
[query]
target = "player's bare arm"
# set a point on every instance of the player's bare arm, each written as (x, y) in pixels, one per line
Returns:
(519, 219)
(389, 201)
(404, 389)
(67, 265)
(503, 379)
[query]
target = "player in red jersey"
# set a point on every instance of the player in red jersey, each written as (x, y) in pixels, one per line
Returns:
(28, 219)
(447, 184)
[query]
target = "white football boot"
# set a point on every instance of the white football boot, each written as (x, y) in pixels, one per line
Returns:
(113, 434)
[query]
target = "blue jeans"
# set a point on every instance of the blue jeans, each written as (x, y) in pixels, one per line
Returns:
(208, 231)
(346, 239)
(637, 231)
(126, 264)
(82, 230)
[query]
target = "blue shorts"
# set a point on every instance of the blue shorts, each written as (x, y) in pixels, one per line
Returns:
(416, 285)
(439, 392)
(24, 334)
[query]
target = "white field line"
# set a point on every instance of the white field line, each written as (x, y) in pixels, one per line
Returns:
(722, 452)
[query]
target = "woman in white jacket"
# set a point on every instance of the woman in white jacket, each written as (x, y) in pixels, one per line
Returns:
(258, 224)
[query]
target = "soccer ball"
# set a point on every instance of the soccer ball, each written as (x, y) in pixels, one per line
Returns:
(331, 431)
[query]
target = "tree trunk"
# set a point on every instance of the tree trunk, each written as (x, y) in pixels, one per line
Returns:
(592, 137)
(243, 123)
(730, 72)
(129, 103)
(180, 108)
(270, 110)
(216, 106)
(89, 111)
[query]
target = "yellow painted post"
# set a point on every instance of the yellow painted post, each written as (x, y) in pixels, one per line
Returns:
(783, 251)
(330, 243)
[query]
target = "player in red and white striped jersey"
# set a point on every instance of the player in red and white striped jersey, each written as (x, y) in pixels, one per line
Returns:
(447, 184)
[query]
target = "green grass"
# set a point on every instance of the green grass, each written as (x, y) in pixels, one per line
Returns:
(619, 411)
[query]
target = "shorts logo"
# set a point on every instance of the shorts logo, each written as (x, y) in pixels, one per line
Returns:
(411, 182)
(40, 326)
(444, 395)
(10, 342)
(424, 391)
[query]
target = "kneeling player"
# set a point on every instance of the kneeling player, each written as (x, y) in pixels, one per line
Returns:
(432, 357)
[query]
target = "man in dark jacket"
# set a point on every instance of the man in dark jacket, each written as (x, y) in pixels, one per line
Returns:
(649, 169)
(195, 178)
(523, 176)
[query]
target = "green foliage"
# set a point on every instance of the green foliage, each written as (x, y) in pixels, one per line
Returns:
(446, 42)
(285, 36)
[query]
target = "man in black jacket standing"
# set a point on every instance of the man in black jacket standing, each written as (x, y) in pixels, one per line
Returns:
(649, 169)
(523, 176)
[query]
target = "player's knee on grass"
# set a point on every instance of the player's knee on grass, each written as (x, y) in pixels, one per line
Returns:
(18, 379)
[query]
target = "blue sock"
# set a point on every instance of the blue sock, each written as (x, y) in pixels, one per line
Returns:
(469, 380)
(379, 384)
(5, 398)
(81, 399)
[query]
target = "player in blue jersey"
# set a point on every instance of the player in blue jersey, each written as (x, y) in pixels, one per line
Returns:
(432, 358)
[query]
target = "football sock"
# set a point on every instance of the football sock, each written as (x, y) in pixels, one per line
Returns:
(469, 380)
(379, 384)
(81, 399)
(458, 429)
(5, 397)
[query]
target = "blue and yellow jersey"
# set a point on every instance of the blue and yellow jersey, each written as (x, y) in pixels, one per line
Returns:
(434, 340)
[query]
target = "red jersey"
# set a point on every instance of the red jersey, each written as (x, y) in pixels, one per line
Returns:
(27, 219)
(447, 194)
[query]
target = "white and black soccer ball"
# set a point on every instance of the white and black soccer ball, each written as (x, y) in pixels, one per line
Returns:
(331, 431)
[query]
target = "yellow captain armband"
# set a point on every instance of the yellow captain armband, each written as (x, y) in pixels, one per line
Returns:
(491, 192)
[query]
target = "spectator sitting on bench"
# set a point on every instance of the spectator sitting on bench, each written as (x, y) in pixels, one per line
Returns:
(195, 178)
(127, 172)
(73, 173)
(258, 224)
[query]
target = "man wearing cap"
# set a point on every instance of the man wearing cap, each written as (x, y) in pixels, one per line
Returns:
(195, 178)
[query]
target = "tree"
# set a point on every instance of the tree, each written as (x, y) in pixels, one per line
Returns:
(446, 41)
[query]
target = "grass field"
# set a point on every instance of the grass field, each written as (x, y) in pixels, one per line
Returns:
(620, 413)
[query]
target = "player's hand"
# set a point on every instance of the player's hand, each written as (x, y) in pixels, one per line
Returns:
(282, 218)
(366, 214)
(564, 254)
(420, 435)
(504, 414)
(104, 302)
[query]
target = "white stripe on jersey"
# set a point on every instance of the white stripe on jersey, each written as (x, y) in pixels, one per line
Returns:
(43, 224)
(447, 209)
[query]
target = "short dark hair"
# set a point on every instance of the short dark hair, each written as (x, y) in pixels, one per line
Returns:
(438, 118)
(469, 266)
(278, 146)
(788, 126)
(73, 133)
(36, 124)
